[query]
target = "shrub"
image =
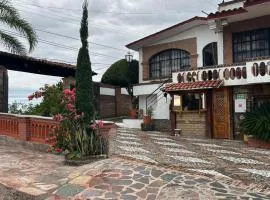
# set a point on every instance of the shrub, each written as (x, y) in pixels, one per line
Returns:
(257, 122)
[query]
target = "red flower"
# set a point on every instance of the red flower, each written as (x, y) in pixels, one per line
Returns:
(58, 117)
(70, 107)
(93, 126)
(67, 92)
(31, 97)
(100, 123)
(58, 150)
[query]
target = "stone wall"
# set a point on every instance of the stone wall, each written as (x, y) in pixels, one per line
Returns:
(163, 125)
(108, 105)
(3, 90)
(123, 103)
(192, 123)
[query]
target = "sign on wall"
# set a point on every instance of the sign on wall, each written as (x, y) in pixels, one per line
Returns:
(240, 105)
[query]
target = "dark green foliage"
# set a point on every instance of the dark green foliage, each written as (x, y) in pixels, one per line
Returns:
(257, 122)
(124, 75)
(121, 74)
(84, 84)
(10, 17)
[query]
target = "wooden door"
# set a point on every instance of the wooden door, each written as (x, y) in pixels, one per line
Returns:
(221, 113)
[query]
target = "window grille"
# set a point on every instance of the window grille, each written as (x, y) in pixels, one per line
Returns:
(164, 63)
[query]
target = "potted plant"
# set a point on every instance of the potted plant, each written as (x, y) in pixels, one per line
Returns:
(147, 119)
(134, 111)
(257, 125)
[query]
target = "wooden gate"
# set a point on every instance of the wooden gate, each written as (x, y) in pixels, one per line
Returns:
(221, 113)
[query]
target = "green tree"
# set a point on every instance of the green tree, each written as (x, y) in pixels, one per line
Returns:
(50, 105)
(10, 17)
(84, 83)
(124, 75)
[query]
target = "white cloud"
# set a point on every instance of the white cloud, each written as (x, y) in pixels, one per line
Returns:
(108, 25)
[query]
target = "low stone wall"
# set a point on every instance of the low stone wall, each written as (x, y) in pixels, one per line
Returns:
(32, 128)
(27, 128)
(162, 125)
(192, 123)
(11, 141)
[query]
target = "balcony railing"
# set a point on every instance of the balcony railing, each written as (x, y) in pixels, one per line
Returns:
(35, 128)
(28, 128)
(251, 73)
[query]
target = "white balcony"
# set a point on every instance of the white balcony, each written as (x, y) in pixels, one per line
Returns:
(251, 73)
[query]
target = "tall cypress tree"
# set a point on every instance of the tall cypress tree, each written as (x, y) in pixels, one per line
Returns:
(84, 84)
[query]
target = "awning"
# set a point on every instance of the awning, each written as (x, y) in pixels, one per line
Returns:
(200, 85)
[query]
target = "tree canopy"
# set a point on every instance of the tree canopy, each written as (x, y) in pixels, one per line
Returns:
(121, 74)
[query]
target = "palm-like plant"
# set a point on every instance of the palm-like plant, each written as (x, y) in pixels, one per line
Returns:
(10, 17)
(257, 122)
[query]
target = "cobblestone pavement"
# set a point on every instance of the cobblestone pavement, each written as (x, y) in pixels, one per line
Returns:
(143, 166)
(224, 158)
(123, 179)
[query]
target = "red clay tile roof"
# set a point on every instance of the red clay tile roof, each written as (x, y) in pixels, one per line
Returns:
(226, 13)
(174, 87)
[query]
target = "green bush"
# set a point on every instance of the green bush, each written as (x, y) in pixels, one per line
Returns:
(121, 74)
(257, 122)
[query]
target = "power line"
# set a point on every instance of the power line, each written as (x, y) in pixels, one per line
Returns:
(95, 11)
(73, 38)
(61, 45)
(51, 17)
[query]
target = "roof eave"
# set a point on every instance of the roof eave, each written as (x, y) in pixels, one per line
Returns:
(135, 45)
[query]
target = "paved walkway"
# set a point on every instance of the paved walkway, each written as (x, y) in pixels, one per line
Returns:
(142, 166)
(230, 159)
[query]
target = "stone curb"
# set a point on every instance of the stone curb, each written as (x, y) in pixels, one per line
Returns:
(11, 193)
(5, 140)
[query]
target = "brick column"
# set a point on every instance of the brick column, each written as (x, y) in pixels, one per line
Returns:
(3, 90)
(24, 128)
(117, 101)
(68, 81)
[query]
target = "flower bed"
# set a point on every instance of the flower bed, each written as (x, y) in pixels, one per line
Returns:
(257, 143)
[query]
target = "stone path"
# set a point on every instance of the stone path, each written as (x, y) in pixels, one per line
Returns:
(122, 179)
(142, 166)
(224, 158)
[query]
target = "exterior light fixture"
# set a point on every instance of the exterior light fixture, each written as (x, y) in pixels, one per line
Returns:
(129, 57)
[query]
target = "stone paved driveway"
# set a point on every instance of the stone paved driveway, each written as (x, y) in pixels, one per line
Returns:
(142, 166)
(223, 158)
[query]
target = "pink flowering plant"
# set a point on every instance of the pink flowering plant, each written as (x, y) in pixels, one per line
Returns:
(73, 135)
(50, 105)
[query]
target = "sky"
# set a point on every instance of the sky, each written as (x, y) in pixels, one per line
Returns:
(112, 25)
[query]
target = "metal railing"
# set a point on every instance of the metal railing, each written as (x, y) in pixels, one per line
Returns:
(155, 96)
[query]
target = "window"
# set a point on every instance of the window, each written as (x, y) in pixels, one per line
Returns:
(190, 101)
(164, 63)
(210, 54)
(251, 44)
